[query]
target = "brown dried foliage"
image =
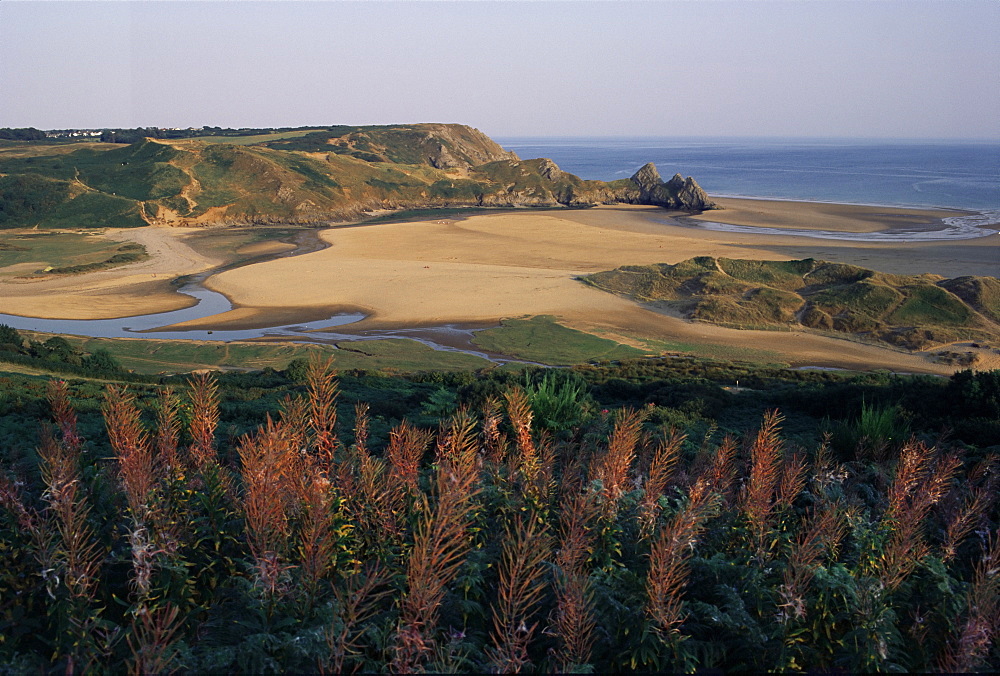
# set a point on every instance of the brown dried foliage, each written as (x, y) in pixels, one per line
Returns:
(295, 422)
(977, 503)
(317, 541)
(818, 535)
(441, 541)
(204, 419)
(64, 416)
(406, 449)
(758, 499)
(793, 480)
(721, 474)
(494, 441)
(268, 466)
(168, 429)
(919, 484)
(572, 621)
(130, 443)
(73, 556)
(525, 550)
(669, 557)
(660, 470)
(321, 382)
(614, 466)
(973, 640)
(525, 460)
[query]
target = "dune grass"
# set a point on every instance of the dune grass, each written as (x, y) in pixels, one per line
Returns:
(909, 311)
(55, 249)
(251, 139)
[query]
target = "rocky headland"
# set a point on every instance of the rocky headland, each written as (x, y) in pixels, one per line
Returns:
(331, 174)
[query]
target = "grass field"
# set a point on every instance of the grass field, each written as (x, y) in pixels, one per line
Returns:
(150, 356)
(542, 339)
(52, 249)
(247, 140)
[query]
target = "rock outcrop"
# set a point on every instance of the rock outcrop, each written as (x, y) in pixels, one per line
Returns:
(677, 193)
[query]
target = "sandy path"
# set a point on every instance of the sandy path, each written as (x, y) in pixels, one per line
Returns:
(140, 288)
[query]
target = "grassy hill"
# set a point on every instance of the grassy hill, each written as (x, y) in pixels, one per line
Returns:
(910, 311)
(336, 173)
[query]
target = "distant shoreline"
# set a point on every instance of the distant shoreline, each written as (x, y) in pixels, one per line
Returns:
(843, 222)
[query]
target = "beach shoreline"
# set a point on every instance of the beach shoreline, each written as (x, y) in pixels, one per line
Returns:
(802, 215)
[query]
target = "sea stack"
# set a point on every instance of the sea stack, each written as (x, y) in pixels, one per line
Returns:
(677, 193)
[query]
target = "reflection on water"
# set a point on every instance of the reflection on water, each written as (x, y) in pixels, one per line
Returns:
(446, 338)
(209, 303)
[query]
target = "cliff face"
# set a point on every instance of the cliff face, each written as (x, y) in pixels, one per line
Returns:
(336, 173)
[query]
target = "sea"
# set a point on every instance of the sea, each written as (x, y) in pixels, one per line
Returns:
(952, 174)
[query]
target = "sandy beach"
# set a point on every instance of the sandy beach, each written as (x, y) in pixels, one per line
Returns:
(489, 266)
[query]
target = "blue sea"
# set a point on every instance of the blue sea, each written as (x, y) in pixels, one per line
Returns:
(960, 175)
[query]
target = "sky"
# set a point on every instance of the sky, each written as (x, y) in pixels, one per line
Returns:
(809, 68)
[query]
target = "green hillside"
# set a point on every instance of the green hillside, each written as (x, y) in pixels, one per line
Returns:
(336, 173)
(910, 311)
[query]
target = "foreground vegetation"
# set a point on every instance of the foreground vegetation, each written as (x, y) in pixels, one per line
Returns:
(910, 311)
(502, 522)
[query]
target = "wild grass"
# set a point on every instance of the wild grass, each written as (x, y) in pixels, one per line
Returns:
(152, 356)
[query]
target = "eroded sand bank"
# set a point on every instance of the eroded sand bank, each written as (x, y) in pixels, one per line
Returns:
(819, 215)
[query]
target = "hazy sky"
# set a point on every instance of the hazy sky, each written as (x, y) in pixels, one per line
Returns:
(904, 68)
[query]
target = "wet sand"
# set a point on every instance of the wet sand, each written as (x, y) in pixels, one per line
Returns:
(820, 215)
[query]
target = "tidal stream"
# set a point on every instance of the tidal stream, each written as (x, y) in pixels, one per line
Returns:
(450, 338)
